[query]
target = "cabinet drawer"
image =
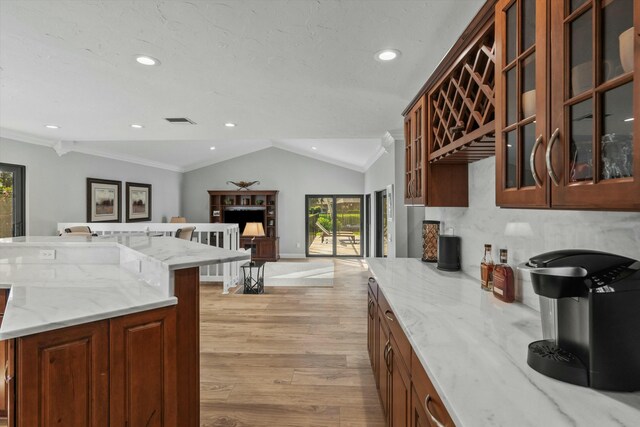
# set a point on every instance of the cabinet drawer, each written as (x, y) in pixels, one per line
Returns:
(423, 388)
(373, 286)
(394, 328)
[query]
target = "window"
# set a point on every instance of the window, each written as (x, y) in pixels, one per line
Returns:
(12, 208)
(334, 225)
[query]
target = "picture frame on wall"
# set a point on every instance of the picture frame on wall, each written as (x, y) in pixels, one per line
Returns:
(103, 200)
(138, 202)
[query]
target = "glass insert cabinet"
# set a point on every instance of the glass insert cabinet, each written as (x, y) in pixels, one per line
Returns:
(567, 104)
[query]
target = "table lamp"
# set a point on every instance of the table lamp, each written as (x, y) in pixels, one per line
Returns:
(253, 229)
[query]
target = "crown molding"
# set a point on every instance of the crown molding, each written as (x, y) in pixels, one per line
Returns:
(381, 151)
(64, 147)
(126, 158)
(25, 137)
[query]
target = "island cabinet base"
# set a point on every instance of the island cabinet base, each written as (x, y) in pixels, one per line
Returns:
(116, 372)
(407, 395)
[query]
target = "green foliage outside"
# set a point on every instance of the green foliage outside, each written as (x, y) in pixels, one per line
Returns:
(6, 204)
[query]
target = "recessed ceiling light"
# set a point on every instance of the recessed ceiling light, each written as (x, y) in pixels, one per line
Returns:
(136, 126)
(630, 119)
(230, 125)
(212, 148)
(387, 55)
(52, 126)
(147, 60)
(314, 148)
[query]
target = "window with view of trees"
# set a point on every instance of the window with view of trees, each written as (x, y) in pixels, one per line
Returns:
(12, 211)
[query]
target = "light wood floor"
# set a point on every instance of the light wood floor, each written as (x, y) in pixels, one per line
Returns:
(291, 357)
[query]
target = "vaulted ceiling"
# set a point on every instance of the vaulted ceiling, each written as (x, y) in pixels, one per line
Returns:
(293, 74)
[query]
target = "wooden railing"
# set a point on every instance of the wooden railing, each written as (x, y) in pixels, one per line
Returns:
(225, 236)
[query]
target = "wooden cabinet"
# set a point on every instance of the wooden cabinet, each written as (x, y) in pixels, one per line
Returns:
(143, 369)
(242, 207)
(415, 154)
(521, 99)
(372, 313)
(407, 395)
(565, 132)
(63, 377)
(120, 371)
(425, 400)
(400, 386)
(262, 248)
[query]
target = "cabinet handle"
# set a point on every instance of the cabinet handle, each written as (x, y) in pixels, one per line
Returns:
(552, 174)
(433, 418)
(386, 314)
(409, 189)
(532, 161)
(387, 347)
(390, 356)
(7, 378)
(369, 309)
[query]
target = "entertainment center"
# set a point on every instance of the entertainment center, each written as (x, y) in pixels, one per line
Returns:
(249, 206)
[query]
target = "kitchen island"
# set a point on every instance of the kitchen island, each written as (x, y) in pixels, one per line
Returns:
(472, 350)
(114, 317)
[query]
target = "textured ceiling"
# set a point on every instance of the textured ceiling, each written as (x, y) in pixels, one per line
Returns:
(281, 70)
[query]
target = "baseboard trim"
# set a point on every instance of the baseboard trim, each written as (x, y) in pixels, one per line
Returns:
(293, 256)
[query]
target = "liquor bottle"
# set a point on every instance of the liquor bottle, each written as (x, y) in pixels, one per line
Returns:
(486, 269)
(503, 282)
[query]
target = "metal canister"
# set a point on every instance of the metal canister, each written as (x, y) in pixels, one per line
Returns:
(430, 233)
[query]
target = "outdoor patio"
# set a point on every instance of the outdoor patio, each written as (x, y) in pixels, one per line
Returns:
(345, 247)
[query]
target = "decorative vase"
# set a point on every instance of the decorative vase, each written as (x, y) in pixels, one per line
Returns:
(626, 50)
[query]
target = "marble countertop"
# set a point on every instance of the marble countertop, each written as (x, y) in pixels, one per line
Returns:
(474, 349)
(173, 253)
(93, 278)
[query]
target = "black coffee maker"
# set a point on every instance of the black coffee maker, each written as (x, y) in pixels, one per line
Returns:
(597, 318)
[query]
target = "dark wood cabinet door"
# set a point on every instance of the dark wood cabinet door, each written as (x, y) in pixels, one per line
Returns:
(408, 155)
(419, 417)
(399, 404)
(595, 104)
(383, 367)
(63, 377)
(143, 369)
(372, 310)
(521, 103)
(415, 155)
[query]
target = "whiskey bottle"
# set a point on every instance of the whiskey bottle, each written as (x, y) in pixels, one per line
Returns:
(503, 281)
(486, 269)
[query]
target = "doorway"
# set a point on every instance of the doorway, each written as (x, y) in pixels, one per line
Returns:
(367, 221)
(382, 242)
(333, 225)
(12, 200)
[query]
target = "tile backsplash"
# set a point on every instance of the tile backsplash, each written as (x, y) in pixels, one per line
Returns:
(528, 232)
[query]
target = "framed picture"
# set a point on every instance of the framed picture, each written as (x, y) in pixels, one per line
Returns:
(138, 202)
(103, 200)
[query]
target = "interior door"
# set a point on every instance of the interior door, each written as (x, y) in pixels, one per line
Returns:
(12, 200)
(595, 104)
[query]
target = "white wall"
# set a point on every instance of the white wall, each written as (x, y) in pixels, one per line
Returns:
(57, 187)
(379, 175)
(529, 232)
(291, 174)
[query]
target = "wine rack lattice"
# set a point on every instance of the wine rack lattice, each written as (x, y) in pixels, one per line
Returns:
(462, 109)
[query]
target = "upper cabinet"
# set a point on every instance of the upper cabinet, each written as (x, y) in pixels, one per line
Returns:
(414, 125)
(451, 122)
(568, 104)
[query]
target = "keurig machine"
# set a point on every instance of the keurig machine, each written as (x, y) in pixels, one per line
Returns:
(597, 318)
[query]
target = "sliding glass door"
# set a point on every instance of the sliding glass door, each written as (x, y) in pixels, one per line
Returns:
(12, 197)
(334, 225)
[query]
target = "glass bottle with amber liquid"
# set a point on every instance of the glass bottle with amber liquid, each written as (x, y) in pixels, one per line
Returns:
(486, 269)
(503, 281)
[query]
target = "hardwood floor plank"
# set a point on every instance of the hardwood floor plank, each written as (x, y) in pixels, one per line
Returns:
(295, 356)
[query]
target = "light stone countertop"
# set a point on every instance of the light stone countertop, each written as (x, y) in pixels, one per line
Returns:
(474, 349)
(93, 278)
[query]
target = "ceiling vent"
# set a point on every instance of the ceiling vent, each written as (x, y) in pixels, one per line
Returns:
(180, 121)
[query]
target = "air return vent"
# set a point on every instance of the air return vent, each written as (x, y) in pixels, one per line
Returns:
(180, 121)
